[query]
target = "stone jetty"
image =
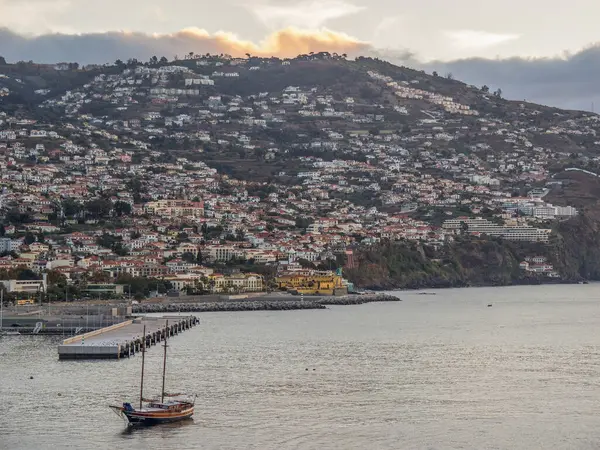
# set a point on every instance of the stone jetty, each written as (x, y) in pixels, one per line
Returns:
(264, 304)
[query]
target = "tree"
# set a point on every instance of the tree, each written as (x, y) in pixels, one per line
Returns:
(107, 240)
(70, 207)
(29, 238)
(2, 230)
(306, 264)
(163, 60)
(450, 76)
(122, 208)
(55, 277)
(239, 235)
(16, 217)
(498, 93)
(119, 249)
(98, 208)
(189, 290)
(27, 274)
(188, 257)
(136, 188)
(98, 277)
(435, 74)
(303, 222)
(485, 88)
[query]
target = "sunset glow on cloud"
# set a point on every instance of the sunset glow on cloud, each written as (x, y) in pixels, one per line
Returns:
(106, 47)
(288, 42)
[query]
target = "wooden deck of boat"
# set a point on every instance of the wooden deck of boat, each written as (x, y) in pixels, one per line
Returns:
(123, 339)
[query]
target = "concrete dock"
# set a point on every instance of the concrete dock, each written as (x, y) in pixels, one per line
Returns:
(124, 339)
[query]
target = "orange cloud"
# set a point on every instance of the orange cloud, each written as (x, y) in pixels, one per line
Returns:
(288, 42)
(106, 47)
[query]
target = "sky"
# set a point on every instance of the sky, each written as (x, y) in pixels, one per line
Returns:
(539, 50)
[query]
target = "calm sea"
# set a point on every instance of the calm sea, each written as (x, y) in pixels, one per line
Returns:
(440, 371)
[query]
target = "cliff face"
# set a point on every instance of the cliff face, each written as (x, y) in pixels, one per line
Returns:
(574, 250)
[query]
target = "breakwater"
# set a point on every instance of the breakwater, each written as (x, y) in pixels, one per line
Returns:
(264, 304)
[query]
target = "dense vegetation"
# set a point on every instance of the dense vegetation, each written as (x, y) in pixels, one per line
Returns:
(466, 262)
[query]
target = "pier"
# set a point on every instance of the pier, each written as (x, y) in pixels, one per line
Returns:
(124, 339)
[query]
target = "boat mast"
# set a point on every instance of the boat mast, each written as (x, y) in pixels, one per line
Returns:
(1, 307)
(165, 362)
(143, 357)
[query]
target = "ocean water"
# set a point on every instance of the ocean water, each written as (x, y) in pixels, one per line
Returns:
(440, 371)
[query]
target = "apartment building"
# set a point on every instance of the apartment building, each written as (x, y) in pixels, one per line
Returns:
(484, 226)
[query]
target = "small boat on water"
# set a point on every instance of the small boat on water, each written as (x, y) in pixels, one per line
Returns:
(156, 412)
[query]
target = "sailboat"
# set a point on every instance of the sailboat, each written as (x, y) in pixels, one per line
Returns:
(4, 333)
(154, 412)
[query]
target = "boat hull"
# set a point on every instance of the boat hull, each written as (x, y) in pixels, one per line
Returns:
(135, 419)
(147, 418)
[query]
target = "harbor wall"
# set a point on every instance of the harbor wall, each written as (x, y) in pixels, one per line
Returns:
(262, 304)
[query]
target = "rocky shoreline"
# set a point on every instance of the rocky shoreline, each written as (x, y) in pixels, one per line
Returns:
(263, 304)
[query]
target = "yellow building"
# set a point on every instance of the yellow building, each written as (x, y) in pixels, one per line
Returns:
(311, 283)
(241, 282)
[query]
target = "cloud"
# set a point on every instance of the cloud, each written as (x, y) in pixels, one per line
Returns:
(386, 25)
(309, 14)
(568, 80)
(25, 15)
(476, 40)
(107, 47)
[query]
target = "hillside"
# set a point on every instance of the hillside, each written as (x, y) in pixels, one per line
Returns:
(429, 112)
(304, 159)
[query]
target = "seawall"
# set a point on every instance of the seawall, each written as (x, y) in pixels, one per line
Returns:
(258, 304)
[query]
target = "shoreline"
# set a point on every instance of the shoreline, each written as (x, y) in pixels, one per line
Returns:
(526, 282)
